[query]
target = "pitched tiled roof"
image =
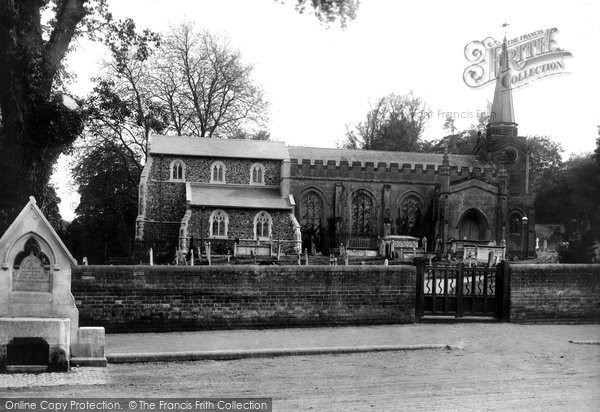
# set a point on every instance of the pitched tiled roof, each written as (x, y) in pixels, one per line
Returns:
(238, 196)
(273, 150)
(233, 148)
(379, 156)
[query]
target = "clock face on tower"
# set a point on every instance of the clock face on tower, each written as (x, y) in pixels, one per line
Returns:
(510, 155)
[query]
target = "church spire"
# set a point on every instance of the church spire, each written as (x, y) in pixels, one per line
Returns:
(502, 109)
(502, 116)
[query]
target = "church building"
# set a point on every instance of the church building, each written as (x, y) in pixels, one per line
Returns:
(264, 197)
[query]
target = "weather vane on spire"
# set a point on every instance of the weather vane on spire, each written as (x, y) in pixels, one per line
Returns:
(505, 25)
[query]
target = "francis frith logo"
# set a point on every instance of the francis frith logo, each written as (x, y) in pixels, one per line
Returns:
(531, 57)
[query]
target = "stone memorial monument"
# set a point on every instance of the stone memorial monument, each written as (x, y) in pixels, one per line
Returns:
(38, 317)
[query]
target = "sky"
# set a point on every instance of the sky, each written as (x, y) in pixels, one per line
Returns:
(320, 79)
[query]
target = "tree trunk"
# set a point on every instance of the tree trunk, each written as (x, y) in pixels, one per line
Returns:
(34, 125)
(22, 174)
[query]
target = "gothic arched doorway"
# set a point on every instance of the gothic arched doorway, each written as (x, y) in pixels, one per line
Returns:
(472, 225)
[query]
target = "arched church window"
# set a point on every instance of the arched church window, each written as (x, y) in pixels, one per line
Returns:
(410, 216)
(310, 213)
(219, 223)
(514, 223)
(217, 174)
(257, 172)
(177, 170)
(262, 225)
(310, 221)
(362, 214)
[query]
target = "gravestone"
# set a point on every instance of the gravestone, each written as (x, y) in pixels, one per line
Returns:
(38, 316)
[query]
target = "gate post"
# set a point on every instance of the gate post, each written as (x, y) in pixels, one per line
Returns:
(503, 291)
(420, 298)
(459, 290)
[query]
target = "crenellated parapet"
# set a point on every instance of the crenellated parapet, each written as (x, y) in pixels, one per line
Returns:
(382, 171)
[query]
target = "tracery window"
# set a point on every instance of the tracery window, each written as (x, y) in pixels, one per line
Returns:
(219, 223)
(310, 222)
(262, 225)
(410, 216)
(362, 214)
(310, 214)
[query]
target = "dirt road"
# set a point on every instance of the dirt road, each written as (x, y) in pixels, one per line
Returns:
(532, 368)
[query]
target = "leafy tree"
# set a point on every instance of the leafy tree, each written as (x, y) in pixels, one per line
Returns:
(121, 116)
(449, 125)
(459, 142)
(394, 123)
(35, 124)
(105, 222)
(571, 197)
(545, 159)
(330, 10)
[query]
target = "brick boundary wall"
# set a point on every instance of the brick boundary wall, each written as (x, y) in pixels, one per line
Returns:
(170, 298)
(558, 293)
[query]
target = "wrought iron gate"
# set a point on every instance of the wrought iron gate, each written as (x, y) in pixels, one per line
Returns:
(459, 290)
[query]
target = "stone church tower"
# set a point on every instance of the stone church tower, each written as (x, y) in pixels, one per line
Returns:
(508, 152)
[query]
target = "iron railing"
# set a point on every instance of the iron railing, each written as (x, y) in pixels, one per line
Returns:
(459, 290)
